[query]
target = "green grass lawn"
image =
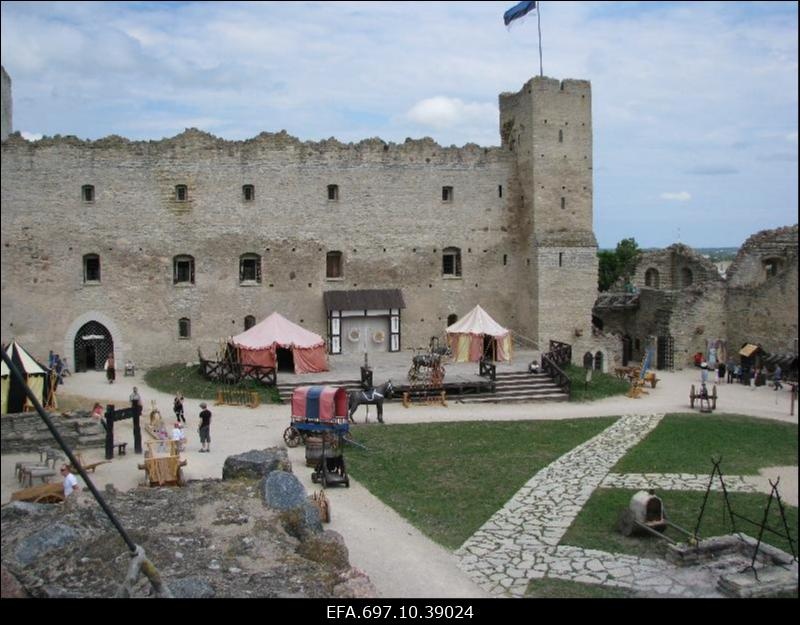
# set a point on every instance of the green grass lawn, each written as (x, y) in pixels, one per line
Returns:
(447, 479)
(551, 588)
(179, 377)
(602, 385)
(685, 443)
(595, 526)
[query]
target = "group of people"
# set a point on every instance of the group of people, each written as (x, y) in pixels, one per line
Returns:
(732, 372)
(59, 366)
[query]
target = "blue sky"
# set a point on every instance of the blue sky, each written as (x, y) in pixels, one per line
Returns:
(694, 103)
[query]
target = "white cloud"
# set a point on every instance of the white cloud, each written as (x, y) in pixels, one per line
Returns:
(443, 112)
(31, 136)
(680, 196)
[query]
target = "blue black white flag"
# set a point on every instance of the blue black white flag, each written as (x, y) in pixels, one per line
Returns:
(517, 11)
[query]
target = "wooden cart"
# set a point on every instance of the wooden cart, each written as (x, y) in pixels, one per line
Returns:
(163, 464)
(44, 493)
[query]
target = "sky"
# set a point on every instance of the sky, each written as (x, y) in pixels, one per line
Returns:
(694, 104)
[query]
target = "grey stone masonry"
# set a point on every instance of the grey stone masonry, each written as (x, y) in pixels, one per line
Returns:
(26, 431)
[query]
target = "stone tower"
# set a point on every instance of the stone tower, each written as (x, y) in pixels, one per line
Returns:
(548, 126)
(6, 125)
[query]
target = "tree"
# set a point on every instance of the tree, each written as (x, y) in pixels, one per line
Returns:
(619, 263)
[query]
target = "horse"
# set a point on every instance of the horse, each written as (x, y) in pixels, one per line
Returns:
(373, 397)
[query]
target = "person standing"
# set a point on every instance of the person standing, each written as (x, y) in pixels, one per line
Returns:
(136, 400)
(776, 377)
(178, 436)
(177, 406)
(70, 482)
(205, 428)
(110, 370)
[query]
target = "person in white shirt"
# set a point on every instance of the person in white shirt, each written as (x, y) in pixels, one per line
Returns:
(70, 482)
(179, 436)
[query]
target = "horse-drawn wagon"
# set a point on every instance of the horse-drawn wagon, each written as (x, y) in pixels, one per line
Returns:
(320, 421)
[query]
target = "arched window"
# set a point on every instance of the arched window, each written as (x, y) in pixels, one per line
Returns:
(598, 361)
(87, 193)
(184, 328)
(250, 269)
(451, 262)
(181, 192)
(451, 319)
(91, 268)
(687, 278)
(333, 265)
(183, 269)
(651, 278)
(249, 322)
(333, 192)
(248, 193)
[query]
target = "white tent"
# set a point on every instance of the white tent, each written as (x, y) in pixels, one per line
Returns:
(477, 335)
(13, 394)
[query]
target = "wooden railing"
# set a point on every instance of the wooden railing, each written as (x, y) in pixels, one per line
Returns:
(487, 370)
(235, 373)
(560, 355)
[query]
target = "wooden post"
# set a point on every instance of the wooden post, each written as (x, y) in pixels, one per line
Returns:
(109, 417)
(137, 431)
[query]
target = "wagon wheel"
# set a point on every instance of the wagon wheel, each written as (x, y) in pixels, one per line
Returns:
(691, 397)
(291, 436)
(49, 498)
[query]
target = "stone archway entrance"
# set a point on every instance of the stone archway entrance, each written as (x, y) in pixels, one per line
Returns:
(93, 346)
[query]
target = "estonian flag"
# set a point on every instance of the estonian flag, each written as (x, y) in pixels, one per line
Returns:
(517, 11)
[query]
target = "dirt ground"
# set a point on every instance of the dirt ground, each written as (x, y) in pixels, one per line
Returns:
(398, 558)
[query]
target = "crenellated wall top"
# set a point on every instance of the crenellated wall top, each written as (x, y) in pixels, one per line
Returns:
(373, 148)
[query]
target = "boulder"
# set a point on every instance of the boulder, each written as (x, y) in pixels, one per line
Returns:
(283, 491)
(326, 547)
(303, 521)
(49, 539)
(256, 463)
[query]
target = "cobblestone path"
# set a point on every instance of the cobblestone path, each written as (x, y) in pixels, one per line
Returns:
(519, 543)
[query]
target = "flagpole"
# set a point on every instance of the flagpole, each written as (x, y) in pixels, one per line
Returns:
(539, 23)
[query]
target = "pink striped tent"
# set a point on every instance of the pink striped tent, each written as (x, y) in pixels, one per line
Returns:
(259, 345)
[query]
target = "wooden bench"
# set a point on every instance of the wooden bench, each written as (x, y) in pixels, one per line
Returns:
(30, 473)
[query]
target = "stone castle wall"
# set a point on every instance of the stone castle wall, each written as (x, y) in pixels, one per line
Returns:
(762, 300)
(390, 223)
(756, 303)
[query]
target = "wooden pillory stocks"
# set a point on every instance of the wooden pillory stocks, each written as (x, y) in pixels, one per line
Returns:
(134, 412)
